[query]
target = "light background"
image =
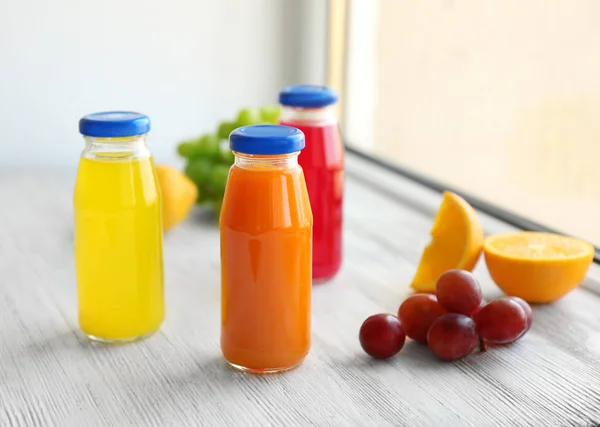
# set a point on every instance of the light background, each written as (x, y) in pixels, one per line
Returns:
(188, 64)
(500, 99)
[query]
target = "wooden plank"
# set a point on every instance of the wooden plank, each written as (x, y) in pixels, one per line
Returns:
(50, 375)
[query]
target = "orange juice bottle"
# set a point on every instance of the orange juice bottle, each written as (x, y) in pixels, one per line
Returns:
(118, 230)
(266, 252)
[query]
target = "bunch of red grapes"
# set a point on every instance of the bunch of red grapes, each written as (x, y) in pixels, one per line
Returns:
(453, 322)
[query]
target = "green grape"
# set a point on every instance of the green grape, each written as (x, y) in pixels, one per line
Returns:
(248, 117)
(208, 146)
(225, 154)
(194, 149)
(187, 149)
(216, 205)
(207, 194)
(218, 178)
(198, 170)
(202, 197)
(207, 190)
(270, 114)
(227, 157)
(225, 129)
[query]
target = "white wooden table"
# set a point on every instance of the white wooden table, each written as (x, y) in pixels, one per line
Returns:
(51, 376)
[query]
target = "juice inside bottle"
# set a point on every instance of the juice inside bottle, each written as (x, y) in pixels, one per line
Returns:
(309, 108)
(266, 225)
(118, 248)
(323, 163)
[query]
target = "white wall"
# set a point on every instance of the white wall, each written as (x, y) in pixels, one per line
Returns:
(186, 63)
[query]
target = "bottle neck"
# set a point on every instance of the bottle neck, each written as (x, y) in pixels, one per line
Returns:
(256, 162)
(321, 116)
(116, 148)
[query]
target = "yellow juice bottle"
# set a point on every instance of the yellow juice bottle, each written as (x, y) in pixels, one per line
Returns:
(118, 230)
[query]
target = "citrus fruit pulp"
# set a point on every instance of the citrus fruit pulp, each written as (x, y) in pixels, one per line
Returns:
(537, 267)
(456, 242)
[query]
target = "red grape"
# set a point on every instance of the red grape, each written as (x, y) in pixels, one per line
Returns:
(458, 291)
(481, 305)
(528, 311)
(452, 336)
(382, 335)
(501, 321)
(417, 313)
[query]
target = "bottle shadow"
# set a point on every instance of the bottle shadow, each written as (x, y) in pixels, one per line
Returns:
(163, 374)
(73, 344)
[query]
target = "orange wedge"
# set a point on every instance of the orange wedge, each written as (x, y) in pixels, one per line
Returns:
(538, 267)
(456, 242)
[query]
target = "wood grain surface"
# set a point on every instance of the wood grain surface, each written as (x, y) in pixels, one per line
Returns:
(51, 376)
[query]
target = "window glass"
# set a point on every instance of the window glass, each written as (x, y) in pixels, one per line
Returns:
(500, 100)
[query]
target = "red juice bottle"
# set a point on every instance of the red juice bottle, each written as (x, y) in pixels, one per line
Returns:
(310, 109)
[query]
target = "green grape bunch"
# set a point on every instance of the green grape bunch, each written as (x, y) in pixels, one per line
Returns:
(208, 157)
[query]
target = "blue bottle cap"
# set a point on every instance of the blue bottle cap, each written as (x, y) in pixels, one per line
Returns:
(308, 96)
(266, 139)
(113, 124)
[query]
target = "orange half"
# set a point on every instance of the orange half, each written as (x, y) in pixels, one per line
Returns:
(456, 242)
(538, 267)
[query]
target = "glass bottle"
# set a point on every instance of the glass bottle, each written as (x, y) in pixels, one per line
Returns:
(266, 228)
(118, 230)
(310, 109)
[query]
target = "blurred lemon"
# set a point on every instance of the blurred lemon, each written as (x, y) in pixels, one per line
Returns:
(179, 193)
(538, 267)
